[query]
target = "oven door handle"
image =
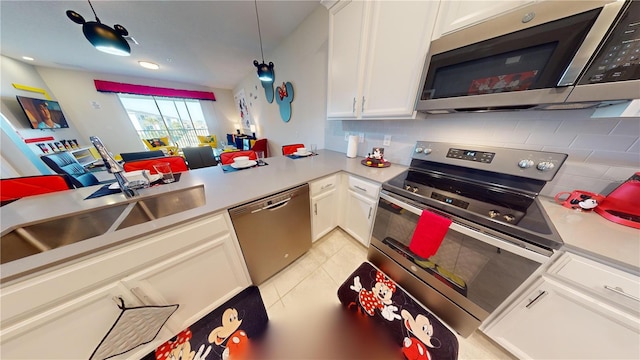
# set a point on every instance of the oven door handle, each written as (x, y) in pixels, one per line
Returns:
(409, 208)
(491, 240)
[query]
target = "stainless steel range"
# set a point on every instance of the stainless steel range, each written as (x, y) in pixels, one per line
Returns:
(499, 233)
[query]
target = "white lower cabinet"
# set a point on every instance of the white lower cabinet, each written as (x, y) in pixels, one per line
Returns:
(361, 198)
(198, 265)
(324, 213)
(71, 330)
(324, 205)
(558, 319)
(198, 279)
(343, 200)
(359, 214)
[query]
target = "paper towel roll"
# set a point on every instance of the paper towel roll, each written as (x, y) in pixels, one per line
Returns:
(352, 147)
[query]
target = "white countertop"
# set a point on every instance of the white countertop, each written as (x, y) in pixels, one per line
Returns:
(223, 190)
(591, 234)
(586, 232)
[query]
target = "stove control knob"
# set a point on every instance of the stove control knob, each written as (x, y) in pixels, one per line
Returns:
(427, 151)
(419, 150)
(407, 187)
(415, 189)
(545, 165)
(494, 214)
(525, 164)
(509, 218)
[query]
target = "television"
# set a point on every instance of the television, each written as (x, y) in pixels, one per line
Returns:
(42, 114)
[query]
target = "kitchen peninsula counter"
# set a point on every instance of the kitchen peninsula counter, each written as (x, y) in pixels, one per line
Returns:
(586, 232)
(223, 190)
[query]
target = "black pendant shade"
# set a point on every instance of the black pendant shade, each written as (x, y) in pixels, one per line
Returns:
(265, 72)
(102, 37)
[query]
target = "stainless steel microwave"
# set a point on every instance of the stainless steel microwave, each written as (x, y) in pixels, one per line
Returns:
(551, 54)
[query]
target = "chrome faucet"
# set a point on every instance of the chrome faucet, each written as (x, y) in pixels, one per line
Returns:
(113, 167)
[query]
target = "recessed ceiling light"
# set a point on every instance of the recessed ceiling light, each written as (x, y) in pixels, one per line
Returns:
(149, 65)
(29, 58)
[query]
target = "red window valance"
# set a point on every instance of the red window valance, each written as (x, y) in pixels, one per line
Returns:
(110, 86)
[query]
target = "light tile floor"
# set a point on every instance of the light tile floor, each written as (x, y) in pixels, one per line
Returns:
(312, 281)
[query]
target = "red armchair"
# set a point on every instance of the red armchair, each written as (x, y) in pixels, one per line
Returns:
(261, 145)
(19, 187)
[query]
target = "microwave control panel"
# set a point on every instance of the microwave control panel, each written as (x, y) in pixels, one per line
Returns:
(619, 58)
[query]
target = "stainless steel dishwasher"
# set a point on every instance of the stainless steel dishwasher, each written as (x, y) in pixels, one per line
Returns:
(273, 231)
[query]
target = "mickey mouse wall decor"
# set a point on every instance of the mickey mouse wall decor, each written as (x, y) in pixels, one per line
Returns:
(284, 97)
(268, 90)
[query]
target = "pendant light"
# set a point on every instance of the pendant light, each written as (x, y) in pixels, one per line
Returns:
(265, 72)
(102, 37)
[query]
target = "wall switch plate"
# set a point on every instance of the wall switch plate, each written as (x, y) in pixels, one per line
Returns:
(387, 140)
(361, 138)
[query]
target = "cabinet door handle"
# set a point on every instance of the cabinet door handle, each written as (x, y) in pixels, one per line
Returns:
(618, 290)
(536, 299)
(359, 188)
(326, 186)
(141, 295)
(370, 209)
(362, 105)
(315, 209)
(353, 110)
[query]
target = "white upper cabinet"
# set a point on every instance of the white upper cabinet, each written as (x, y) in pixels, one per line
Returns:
(346, 32)
(454, 15)
(376, 55)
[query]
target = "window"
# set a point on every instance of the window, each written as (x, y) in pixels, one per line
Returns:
(154, 117)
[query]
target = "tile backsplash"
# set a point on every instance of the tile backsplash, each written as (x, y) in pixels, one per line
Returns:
(603, 152)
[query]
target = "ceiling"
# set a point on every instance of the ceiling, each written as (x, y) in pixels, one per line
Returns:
(209, 43)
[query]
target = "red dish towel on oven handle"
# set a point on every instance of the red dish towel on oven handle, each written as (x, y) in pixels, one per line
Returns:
(429, 233)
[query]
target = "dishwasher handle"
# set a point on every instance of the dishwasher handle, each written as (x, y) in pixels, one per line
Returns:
(275, 206)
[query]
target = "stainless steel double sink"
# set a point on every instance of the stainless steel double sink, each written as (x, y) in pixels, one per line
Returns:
(55, 232)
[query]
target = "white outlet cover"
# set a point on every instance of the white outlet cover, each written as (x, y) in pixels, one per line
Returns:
(361, 138)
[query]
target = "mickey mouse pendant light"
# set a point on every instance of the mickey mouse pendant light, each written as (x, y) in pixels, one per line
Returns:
(265, 72)
(101, 36)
